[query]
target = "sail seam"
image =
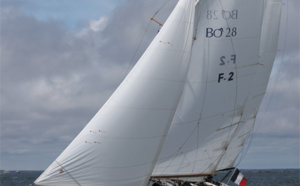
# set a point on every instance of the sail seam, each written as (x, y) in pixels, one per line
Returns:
(228, 126)
(189, 162)
(206, 117)
(140, 78)
(67, 172)
(118, 167)
(123, 138)
(235, 39)
(245, 134)
(140, 108)
(134, 178)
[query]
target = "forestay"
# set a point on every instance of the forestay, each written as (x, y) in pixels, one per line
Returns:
(231, 60)
(121, 144)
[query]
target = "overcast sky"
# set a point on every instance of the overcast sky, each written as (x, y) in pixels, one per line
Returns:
(61, 60)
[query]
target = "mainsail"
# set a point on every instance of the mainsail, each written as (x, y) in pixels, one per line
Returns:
(267, 53)
(121, 144)
(204, 74)
(232, 57)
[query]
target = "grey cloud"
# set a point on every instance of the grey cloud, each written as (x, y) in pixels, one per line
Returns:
(272, 153)
(127, 27)
(54, 80)
(43, 73)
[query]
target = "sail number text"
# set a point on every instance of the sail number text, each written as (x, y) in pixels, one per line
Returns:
(219, 32)
(225, 77)
(224, 60)
(221, 14)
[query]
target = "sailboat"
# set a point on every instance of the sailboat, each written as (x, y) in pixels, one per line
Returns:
(188, 105)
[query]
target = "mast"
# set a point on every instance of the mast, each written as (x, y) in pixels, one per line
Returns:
(121, 144)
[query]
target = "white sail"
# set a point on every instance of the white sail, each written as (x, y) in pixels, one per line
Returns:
(121, 144)
(268, 50)
(226, 82)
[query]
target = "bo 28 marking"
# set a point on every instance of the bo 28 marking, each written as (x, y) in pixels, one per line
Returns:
(222, 14)
(219, 32)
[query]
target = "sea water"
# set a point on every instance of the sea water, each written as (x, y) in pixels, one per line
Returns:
(274, 177)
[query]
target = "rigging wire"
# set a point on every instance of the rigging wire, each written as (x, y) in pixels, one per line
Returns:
(166, 2)
(137, 49)
(141, 40)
